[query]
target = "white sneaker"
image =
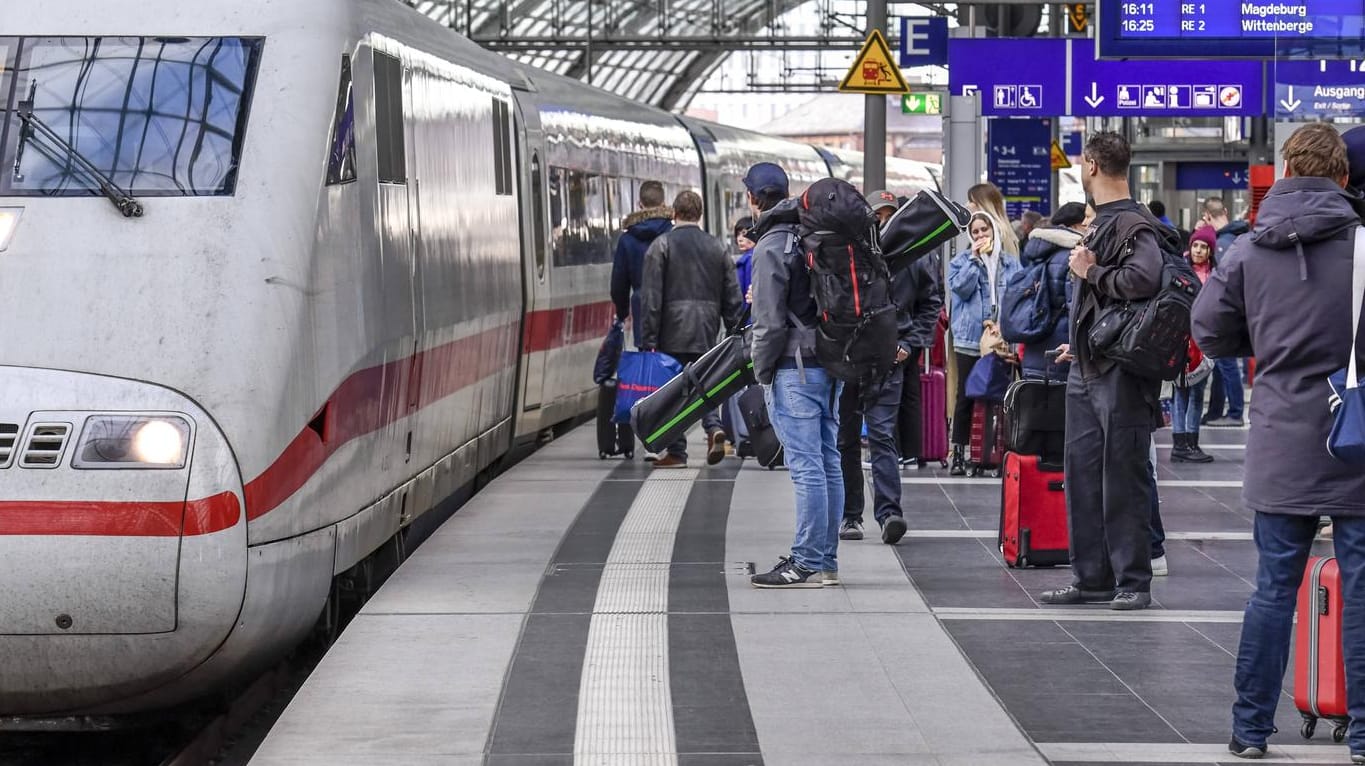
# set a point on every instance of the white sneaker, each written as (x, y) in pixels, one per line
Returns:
(650, 457)
(829, 579)
(1159, 568)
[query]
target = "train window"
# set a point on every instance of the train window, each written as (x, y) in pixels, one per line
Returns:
(598, 249)
(341, 158)
(537, 216)
(160, 116)
(558, 219)
(502, 149)
(388, 119)
(615, 212)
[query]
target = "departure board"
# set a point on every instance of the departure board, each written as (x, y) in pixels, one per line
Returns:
(1230, 28)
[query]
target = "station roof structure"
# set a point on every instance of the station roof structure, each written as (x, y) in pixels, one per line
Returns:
(658, 52)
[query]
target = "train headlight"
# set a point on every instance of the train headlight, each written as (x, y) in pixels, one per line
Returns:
(132, 441)
(9, 222)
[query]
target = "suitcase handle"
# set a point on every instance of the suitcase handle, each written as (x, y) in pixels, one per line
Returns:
(1322, 601)
(1056, 486)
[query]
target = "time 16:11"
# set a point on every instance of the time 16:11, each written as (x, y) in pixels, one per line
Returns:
(1139, 9)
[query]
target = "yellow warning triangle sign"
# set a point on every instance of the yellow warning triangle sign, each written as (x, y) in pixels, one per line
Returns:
(874, 71)
(1059, 159)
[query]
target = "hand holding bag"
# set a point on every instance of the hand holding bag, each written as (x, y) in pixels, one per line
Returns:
(1346, 442)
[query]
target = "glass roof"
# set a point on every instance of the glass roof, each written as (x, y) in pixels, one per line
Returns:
(667, 78)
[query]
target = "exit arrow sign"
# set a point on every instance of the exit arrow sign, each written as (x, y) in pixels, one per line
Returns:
(922, 103)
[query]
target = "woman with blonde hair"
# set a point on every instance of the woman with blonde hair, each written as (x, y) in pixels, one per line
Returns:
(986, 198)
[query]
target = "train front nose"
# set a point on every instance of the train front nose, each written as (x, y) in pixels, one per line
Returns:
(122, 539)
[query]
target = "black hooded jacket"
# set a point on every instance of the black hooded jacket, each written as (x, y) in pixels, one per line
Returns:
(1283, 294)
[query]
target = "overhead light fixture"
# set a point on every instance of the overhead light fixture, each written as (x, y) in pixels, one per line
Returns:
(9, 221)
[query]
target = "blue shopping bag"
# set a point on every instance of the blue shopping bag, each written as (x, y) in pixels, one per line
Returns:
(990, 379)
(640, 374)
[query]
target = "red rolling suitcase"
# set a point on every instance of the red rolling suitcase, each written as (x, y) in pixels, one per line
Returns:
(1319, 669)
(1033, 529)
(986, 451)
(933, 388)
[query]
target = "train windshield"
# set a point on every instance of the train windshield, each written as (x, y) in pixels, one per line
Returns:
(149, 116)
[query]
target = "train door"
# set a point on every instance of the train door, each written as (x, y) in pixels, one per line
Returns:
(535, 225)
(397, 260)
(412, 400)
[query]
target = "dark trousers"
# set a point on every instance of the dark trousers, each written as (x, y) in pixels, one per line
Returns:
(1283, 543)
(1158, 529)
(879, 407)
(910, 419)
(962, 412)
(710, 420)
(1109, 481)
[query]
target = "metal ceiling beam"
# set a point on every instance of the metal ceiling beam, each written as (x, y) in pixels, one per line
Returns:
(683, 43)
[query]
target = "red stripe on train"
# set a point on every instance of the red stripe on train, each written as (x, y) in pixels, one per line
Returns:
(361, 405)
(120, 519)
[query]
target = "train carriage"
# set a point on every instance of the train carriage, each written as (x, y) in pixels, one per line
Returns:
(278, 278)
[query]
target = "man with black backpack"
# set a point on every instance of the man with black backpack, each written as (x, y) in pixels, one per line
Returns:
(800, 393)
(1111, 410)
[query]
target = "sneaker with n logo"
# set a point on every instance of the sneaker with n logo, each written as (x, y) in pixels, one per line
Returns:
(788, 574)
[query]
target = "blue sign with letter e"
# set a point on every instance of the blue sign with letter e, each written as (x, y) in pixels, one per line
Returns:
(924, 41)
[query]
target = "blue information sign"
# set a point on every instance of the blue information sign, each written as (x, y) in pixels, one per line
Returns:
(1231, 28)
(1001, 68)
(1308, 90)
(1197, 176)
(1020, 164)
(1164, 88)
(924, 41)
(1028, 77)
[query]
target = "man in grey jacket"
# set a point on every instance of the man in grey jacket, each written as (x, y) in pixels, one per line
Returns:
(800, 395)
(1284, 294)
(689, 290)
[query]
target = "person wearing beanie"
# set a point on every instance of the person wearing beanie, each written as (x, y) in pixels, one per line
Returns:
(800, 394)
(1188, 401)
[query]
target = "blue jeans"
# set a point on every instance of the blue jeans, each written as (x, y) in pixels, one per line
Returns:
(1186, 406)
(1283, 543)
(805, 417)
(1231, 376)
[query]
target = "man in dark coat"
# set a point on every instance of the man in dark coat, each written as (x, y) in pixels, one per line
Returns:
(1110, 412)
(1284, 294)
(641, 228)
(689, 290)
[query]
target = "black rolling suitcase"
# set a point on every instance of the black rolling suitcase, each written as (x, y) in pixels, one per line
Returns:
(763, 441)
(612, 438)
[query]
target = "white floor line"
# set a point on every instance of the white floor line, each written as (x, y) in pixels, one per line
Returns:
(1208, 446)
(985, 482)
(1154, 752)
(975, 534)
(625, 704)
(1088, 613)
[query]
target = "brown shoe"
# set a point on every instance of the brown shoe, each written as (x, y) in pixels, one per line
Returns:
(716, 451)
(671, 461)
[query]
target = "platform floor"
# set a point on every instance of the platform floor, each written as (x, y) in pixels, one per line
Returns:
(580, 611)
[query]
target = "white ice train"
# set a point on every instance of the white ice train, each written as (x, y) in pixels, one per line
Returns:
(371, 261)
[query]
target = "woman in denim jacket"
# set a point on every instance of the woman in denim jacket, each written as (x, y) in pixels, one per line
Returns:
(976, 282)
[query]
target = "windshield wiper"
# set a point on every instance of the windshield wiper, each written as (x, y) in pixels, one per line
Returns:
(32, 124)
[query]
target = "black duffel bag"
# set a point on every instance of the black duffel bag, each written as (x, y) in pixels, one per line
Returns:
(660, 418)
(928, 220)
